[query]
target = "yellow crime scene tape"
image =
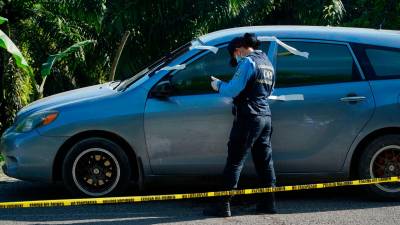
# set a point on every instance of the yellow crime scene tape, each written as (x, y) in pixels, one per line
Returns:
(132, 199)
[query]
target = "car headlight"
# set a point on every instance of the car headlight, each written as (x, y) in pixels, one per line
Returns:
(36, 120)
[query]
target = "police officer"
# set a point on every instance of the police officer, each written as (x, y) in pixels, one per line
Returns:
(250, 87)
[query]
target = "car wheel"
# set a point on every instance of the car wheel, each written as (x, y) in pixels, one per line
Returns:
(380, 159)
(96, 167)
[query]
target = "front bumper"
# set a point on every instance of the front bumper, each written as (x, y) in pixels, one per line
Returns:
(29, 156)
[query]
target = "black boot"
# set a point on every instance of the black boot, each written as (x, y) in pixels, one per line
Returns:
(267, 204)
(220, 208)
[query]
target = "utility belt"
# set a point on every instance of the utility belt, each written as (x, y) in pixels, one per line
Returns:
(238, 110)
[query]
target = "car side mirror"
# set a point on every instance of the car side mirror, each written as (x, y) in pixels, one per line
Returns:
(162, 89)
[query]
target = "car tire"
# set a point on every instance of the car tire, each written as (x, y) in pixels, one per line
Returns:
(96, 167)
(381, 158)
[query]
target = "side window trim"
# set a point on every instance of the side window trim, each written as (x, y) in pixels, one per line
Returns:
(361, 72)
(364, 61)
(201, 54)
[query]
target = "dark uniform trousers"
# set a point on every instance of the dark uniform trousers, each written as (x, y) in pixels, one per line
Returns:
(250, 133)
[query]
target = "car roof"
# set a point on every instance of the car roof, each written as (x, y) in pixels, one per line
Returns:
(389, 38)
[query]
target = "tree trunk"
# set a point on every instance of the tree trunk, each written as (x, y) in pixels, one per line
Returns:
(118, 55)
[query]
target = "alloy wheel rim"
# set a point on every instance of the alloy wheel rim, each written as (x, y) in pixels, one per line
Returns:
(96, 171)
(386, 163)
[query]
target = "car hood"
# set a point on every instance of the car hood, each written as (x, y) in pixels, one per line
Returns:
(64, 98)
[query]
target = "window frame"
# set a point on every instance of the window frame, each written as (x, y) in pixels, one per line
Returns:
(202, 53)
(360, 51)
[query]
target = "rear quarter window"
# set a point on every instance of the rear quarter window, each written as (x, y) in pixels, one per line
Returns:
(385, 63)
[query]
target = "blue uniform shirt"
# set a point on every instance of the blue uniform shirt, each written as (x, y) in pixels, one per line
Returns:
(244, 71)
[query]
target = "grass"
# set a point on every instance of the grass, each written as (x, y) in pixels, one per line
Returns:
(1, 158)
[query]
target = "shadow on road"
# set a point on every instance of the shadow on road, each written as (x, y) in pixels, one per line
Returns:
(345, 198)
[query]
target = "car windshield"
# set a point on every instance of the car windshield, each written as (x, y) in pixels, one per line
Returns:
(153, 67)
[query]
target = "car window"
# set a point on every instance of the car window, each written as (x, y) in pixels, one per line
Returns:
(195, 78)
(327, 63)
(385, 63)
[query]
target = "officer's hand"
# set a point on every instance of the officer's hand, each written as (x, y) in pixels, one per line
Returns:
(215, 83)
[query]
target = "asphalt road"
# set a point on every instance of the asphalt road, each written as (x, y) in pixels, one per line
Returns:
(346, 205)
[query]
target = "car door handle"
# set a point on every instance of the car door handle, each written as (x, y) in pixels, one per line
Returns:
(353, 99)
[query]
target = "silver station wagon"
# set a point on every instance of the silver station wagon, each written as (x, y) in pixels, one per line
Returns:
(167, 122)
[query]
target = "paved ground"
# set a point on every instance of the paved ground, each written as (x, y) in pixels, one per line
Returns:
(330, 206)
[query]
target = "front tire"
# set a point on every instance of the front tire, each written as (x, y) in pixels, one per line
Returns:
(96, 167)
(380, 159)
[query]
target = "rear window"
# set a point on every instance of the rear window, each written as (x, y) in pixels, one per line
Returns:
(385, 63)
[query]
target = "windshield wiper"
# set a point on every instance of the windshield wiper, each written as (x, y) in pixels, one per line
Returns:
(115, 81)
(150, 69)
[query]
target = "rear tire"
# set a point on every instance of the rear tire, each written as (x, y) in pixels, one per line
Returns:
(381, 158)
(96, 167)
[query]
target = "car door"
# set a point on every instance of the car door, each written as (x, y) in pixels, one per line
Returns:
(314, 135)
(187, 132)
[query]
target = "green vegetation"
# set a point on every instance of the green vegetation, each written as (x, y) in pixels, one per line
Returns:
(73, 43)
(8, 45)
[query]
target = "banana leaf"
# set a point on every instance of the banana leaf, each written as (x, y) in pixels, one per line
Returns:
(6, 43)
(3, 20)
(46, 67)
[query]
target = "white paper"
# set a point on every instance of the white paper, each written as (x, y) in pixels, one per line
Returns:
(176, 67)
(294, 97)
(285, 46)
(205, 47)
